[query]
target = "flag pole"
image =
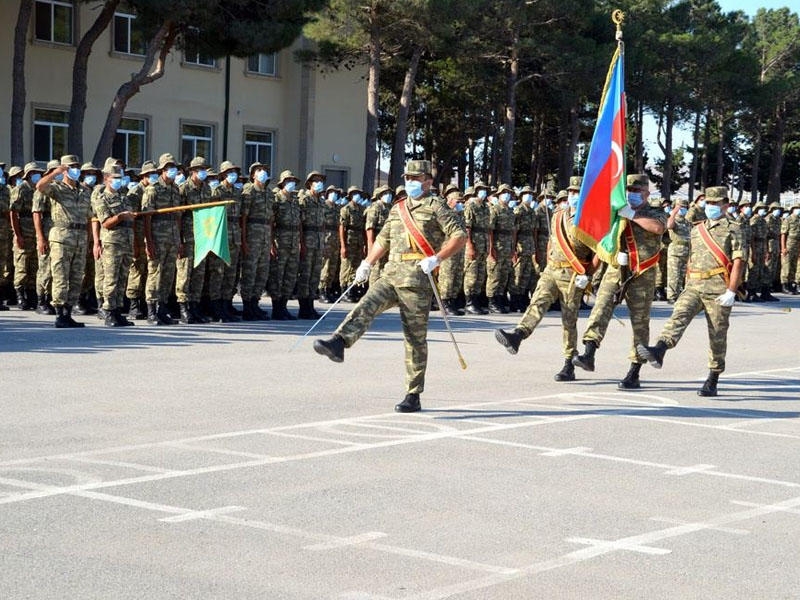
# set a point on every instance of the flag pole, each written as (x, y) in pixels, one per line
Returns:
(169, 209)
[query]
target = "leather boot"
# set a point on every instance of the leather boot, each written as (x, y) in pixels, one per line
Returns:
(111, 319)
(450, 308)
(101, 313)
(474, 306)
(61, 319)
(232, 310)
(9, 293)
(303, 312)
(72, 322)
(41, 305)
(121, 320)
(218, 314)
(312, 312)
(496, 305)
(152, 317)
(586, 360)
(162, 314)
(792, 290)
(194, 310)
(631, 379)
(509, 339)
(261, 314)
(138, 310)
(652, 354)
(785, 288)
(22, 302)
(247, 310)
(710, 386)
(333, 348)
(186, 316)
(409, 404)
(288, 316)
(766, 295)
(567, 372)
(277, 312)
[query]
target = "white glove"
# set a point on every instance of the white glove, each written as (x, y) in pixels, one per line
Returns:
(726, 299)
(622, 259)
(362, 272)
(581, 281)
(428, 264)
(627, 212)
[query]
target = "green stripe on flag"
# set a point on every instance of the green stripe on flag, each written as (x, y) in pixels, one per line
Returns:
(211, 233)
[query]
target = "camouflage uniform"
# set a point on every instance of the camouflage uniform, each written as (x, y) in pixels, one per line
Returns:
(757, 279)
(374, 219)
(288, 229)
(6, 240)
(522, 281)
(257, 201)
(117, 247)
(677, 256)
(502, 243)
(312, 217)
(790, 235)
(351, 236)
(696, 212)
(228, 191)
(476, 222)
(25, 258)
(451, 271)
(40, 208)
(544, 216)
(773, 247)
(194, 190)
(137, 276)
(329, 277)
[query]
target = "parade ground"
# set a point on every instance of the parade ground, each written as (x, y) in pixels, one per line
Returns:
(211, 462)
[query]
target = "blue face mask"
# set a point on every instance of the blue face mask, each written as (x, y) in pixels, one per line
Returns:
(333, 197)
(572, 199)
(180, 178)
(238, 185)
(748, 211)
(635, 199)
(776, 212)
(796, 211)
(2, 180)
(513, 204)
(318, 186)
(482, 194)
(35, 178)
(153, 178)
(126, 180)
(459, 207)
(667, 209)
(762, 212)
(682, 211)
(342, 201)
(701, 203)
(202, 174)
(74, 173)
(132, 186)
(290, 186)
(713, 211)
(356, 198)
(172, 172)
(59, 177)
(731, 209)
(231, 177)
(549, 203)
(116, 183)
(261, 176)
(213, 184)
(413, 188)
(527, 198)
(494, 201)
(505, 196)
(387, 198)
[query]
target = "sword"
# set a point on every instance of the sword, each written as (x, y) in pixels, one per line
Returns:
(461, 360)
(325, 314)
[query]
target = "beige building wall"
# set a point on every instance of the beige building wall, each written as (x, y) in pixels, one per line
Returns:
(316, 120)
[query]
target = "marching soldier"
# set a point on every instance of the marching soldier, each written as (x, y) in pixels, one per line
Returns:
(42, 223)
(421, 233)
(680, 230)
(502, 250)
(544, 213)
(375, 217)
(194, 190)
(633, 279)
(25, 259)
(451, 272)
(790, 251)
(476, 222)
(522, 279)
(715, 268)
(329, 277)
(351, 239)
(258, 219)
(287, 239)
(312, 216)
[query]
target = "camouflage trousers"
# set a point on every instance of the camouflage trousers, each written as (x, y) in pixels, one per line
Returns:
(6, 255)
(475, 274)
(44, 276)
(26, 264)
(555, 284)
(662, 269)
(98, 279)
(639, 299)
(116, 264)
(789, 261)
(230, 274)
(329, 277)
(522, 279)
(773, 273)
(283, 271)
(757, 271)
(349, 264)
(137, 275)
(676, 271)
(541, 256)
(451, 276)
(309, 272)
(498, 274)
(160, 270)
(68, 263)
(255, 264)
(183, 272)
(688, 305)
(208, 272)
(88, 272)
(414, 304)
(377, 269)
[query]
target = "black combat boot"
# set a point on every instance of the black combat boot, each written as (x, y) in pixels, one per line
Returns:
(450, 308)
(111, 319)
(287, 315)
(194, 310)
(231, 309)
(137, 310)
(303, 313)
(121, 320)
(101, 312)
(785, 288)
(61, 319)
(766, 295)
(333, 348)
(261, 314)
(72, 322)
(631, 380)
(567, 372)
(710, 386)
(247, 310)
(474, 306)
(22, 302)
(42, 307)
(162, 314)
(792, 289)
(311, 310)
(152, 317)
(218, 314)
(409, 404)
(586, 360)
(186, 316)
(497, 306)
(652, 354)
(510, 339)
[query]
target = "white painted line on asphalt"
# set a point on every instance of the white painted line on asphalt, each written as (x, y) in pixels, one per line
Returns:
(118, 463)
(748, 422)
(348, 541)
(763, 372)
(193, 515)
(567, 451)
(793, 511)
(680, 471)
(312, 438)
(225, 451)
(613, 545)
(730, 530)
(776, 434)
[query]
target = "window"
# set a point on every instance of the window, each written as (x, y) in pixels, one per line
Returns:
(338, 177)
(53, 21)
(128, 38)
(196, 140)
(258, 147)
(130, 142)
(263, 64)
(49, 134)
(193, 52)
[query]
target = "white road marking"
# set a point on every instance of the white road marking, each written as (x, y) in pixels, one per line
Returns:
(118, 463)
(578, 450)
(348, 541)
(193, 515)
(680, 471)
(613, 545)
(730, 530)
(793, 511)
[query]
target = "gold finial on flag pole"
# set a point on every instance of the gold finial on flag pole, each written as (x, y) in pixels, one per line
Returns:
(618, 17)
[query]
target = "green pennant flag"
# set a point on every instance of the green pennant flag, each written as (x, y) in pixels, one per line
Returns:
(211, 233)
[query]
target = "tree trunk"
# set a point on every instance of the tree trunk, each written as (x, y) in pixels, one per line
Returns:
(776, 159)
(157, 51)
(80, 68)
(471, 159)
(666, 182)
(704, 160)
(638, 160)
(510, 120)
(18, 82)
(695, 145)
(400, 133)
(754, 168)
(721, 149)
(373, 85)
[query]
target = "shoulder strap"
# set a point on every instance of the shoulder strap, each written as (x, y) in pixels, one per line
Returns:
(637, 265)
(411, 227)
(566, 247)
(717, 252)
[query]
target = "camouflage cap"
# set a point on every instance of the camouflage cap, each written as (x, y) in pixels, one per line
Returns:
(400, 191)
(198, 162)
(548, 191)
(148, 168)
(760, 204)
(113, 171)
(31, 167)
(699, 196)
(526, 189)
(354, 189)
(227, 166)
(212, 174)
(562, 195)
(257, 165)
(479, 185)
(504, 187)
(638, 181)
(89, 168)
(380, 191)
(166, 159)
(417, 167)
(331, 188)
(313, 174)
(774, 205)
(52, 165)
(469, 192)
(717, 193)
(575, 183)
(683, 202)
(287, 175)
(14, 171)
(69, 160)
(452, 187)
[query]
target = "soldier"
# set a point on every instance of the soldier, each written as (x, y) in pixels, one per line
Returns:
(312, 244)
(351, 240)
(25, 259)
(522, 278)
(288, 234)
(137, 276)
(660, 293)
(451, 272)
(773, 274)
(97, 244)
(757, 267)
(421, 221)
(161, 239)
(70, 211)
(329, 277)
(259, 220)
(633, 279)
(502, 250)
(375, 217)
(790, 251)
(697, 209)
(680, 230)
(715, 268)
(42, 223)
(565, 278)
(228, 190)
(6, 260)
(476, 222)
(742, 218)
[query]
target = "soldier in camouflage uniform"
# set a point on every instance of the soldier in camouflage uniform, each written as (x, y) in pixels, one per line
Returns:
(162, 240)
(287, 240)
(476, 222)
(351, 240)
(451, 272)
(522, 279)
(742, 218)
(696, 212)
(405, 282)
(137, 276)
(25, 258)
(773, 275)
(756, 279)
(633, 279)
(375, 216)
(502, 250)
(6, 260)
(661, 270)
(564, 279)
(544, 214)
(229, 189)
(790, 251)
(714, 276)
(680, 231)
(258, 219)
(42, 223)
(87, 298)
(70, 209)
(329, 277)
(312, 244)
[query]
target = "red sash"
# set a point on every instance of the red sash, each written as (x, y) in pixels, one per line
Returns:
(566, 247)
(717, 252)
(411, 227)
(638, 266)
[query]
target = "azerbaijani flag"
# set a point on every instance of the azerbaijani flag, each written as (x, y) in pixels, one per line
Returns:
(603, 188)
(211, 233)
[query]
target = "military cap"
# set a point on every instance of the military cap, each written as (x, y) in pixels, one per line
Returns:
(52, 165)
(257, 165)
(504, 187)
(638, 181)
(31, 167)
(148, 168)
(469, 192)
(417, 167)
(683, 202)
(479, 185)
(654, 202)
(400, 192)
(575, 183)
(774, 205)
(198, 162)
(227, 166)
(547, 191)
(526, 189)
(14, 171)
(313, 174)
(760, 204)
(452, 187)
(113, 171)
(353, 189)
(717, 193)
(380, 191)
(562, 195)
(89, 168)
(699, 196)
(331, 188)
(212, 174)
(166, 159)
(69, 160)
(287, 175)
(111, 161)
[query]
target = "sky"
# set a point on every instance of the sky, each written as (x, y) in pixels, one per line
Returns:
(751, 6)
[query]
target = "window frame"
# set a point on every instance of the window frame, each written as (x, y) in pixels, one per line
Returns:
(276, 70)
(130, 18)
(272, 145)
(194, 32)
(145, 134)
(72, 24)
(51, 125)
(209, 156)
